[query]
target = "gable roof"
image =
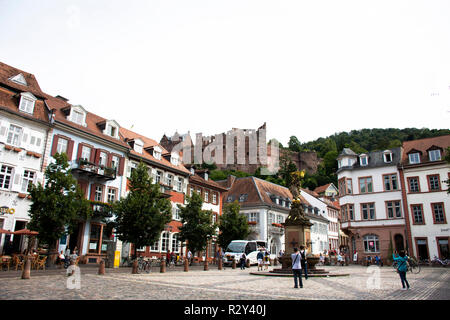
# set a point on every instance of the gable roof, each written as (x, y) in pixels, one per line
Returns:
(322, 188)
(130, 135)
(10, 93)
(198, 180)
(7, 73)
(59, 105)
(258, 192)
(423, 145)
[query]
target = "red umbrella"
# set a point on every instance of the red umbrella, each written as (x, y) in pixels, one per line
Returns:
(5, 231)
(26, 232)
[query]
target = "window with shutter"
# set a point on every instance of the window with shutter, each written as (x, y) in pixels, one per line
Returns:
(5, 177)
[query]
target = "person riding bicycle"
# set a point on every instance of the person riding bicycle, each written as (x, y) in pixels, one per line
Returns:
(402, 267)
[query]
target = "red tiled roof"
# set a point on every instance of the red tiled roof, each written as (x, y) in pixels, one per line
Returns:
(196, 179)
(313, 193)
(258, 192)
(91, 120)
(322, 188)
(8, 99)
(125, 133)
(7, 72)
(423, 145)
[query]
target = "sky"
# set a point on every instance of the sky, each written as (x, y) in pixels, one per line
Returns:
(306, 68)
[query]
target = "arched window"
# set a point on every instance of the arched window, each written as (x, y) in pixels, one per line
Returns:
(371, 243)
(165, 241)
(175, 243)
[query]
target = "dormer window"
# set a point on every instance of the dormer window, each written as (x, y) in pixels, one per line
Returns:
(363, 160)
(157, 152)
(387, 156)
(174, 159)
(78, 115)
(434, 155)
(19, 79)
(112, 131)
(110, 128)
(27, 101)
(138, 145)
(414, 158)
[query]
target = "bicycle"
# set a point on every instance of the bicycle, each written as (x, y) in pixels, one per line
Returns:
(127, 262)
(412, 265)
(144, 265)
(438, 262)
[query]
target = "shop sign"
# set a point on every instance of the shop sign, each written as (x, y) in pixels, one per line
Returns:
(6, 210)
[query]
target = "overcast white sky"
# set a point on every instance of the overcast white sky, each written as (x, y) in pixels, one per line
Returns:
(307, 68)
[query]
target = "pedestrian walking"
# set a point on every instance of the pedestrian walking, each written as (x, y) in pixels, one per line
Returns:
(297, 268)
(402, 268)
(266, 260)
(304, 262)
(189, 257)
(355, 257)
(242, 260)
(260, 258)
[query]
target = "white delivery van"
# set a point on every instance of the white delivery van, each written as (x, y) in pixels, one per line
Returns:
(237, 247)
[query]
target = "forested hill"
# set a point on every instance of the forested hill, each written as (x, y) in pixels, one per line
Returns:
(328, 149)
(364, 140)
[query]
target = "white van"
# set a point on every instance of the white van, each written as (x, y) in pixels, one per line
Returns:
(237, 247)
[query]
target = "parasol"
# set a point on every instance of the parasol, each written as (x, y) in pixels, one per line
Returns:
(26, 232)
(5, 231)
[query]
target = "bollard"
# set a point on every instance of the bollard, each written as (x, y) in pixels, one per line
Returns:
(275, 261)
(26, 269)
(101, 268)
(134, 269)
(205, 267)
(162, 266)
(247, 263)
(186, 265)
(233, 266)
(220, 264)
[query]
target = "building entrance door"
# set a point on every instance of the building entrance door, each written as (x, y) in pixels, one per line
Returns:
(17, 240)
(422, 250)
(399, 245)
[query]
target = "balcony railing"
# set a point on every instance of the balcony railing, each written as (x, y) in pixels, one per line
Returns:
(101, 209)
(94, 170)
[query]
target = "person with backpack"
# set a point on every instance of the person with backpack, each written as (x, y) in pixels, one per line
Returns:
(304, 262)
(402, 267)
(297, 268)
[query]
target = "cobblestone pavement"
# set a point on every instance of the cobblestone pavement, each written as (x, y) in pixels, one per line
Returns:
(227, 284)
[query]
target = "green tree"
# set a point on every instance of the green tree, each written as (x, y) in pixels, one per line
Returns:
(58, 207)
(294, 144)
(232, 225)
(141, 216)
(197, 226)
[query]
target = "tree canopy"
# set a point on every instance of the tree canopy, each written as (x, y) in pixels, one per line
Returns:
(232, 225)
(58, 207)
(141, 216)
(198, 226)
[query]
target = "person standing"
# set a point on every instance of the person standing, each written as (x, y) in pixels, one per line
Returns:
(355, 257)
(304, 262)
(402, 268)
(189, 257)
(297, 268)
(260, 258)
(242, 260)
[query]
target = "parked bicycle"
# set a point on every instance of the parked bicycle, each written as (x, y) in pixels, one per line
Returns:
(412, 265)
(438, 262)
(144, 265)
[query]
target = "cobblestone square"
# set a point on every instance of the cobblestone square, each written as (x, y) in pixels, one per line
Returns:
(228, 284)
